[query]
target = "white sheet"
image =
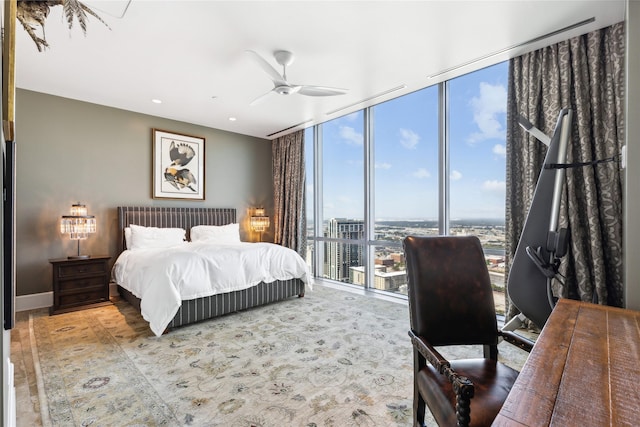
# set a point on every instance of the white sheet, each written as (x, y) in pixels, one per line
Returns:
(163, 277)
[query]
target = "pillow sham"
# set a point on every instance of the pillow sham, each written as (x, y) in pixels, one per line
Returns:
(229, 233)
(154, 237)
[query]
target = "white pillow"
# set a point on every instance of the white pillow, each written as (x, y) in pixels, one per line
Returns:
(153, 237)
(229, 233)
(127, 237)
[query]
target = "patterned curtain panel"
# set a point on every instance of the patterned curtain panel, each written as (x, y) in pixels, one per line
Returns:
(288, 191)
(585, 74)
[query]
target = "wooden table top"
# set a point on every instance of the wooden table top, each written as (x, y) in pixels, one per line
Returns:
(584, 370)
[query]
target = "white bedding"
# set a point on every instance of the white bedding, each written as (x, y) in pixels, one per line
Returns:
(163, 277)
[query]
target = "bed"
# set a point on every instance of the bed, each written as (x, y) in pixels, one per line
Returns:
(203, 307)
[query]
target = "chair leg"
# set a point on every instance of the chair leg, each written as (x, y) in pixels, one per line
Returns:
(418, 409)
(418, 402)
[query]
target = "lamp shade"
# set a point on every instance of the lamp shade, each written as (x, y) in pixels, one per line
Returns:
(259, 221)
(78, 228)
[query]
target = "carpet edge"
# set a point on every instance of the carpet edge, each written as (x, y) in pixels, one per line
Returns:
(44, 406)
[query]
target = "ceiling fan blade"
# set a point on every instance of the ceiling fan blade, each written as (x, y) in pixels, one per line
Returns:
(275, 76)
(281, 86)
(261, 98)
(321, 91)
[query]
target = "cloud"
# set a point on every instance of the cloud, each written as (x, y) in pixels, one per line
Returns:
(494, 186)
(500, 150)
(409, 139)
(351, 117)
(383, 165)
(350, 135)
(455, 175)
(422, 173)
(491, 102)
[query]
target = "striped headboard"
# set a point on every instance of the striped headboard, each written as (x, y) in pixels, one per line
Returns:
(171, 217)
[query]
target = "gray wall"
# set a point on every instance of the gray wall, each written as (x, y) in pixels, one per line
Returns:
(632, 179)
(70, 151)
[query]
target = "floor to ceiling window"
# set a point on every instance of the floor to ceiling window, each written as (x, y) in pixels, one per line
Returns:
(342, 142)
(405, 180)
(477, 148)
(432, 162)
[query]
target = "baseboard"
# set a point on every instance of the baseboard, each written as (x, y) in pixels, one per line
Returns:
(34, 301)
(45, 299)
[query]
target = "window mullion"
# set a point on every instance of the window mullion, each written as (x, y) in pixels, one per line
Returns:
(369, 199)
(318, 249)
(443, 160)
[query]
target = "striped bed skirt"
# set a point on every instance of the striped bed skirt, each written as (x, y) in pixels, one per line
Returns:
(199, 309)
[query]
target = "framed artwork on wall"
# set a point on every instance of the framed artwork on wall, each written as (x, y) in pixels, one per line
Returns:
(178, 166)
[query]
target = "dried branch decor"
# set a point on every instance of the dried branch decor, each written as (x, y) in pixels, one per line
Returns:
(32, 14)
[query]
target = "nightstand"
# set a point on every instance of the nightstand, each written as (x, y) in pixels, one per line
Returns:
(80, 283)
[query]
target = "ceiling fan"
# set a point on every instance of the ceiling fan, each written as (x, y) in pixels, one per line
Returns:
(280, 84)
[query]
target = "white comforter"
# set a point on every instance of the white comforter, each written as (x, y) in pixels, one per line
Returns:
(162, 278)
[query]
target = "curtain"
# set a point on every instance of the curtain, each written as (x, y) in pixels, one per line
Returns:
(586, 74)
(288, 191)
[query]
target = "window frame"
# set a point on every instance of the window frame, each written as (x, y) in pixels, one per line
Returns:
(318, 240)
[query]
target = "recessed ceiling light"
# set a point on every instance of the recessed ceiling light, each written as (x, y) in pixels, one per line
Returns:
(232, 119)
(156, 101)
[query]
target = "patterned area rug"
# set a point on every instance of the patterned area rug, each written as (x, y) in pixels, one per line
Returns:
(332, 358)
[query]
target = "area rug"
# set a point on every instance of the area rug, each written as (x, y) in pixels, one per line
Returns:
(332, 358)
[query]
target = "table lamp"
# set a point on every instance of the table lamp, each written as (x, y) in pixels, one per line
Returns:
(259, 221)
(78, 225)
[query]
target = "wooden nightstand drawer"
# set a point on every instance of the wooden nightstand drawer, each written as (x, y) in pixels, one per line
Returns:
(75, 270)
(82, 299)
(80, 283)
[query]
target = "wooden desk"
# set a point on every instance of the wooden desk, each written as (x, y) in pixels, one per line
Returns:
(584, 370)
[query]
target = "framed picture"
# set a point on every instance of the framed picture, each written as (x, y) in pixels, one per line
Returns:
(178, 166)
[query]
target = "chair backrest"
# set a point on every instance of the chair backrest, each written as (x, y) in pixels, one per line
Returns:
(450, 295)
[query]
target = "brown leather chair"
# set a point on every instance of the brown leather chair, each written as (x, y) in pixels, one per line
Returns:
(451, 303)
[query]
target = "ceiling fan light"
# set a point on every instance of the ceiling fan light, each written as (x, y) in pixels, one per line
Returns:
(283, 90)
(286, 89)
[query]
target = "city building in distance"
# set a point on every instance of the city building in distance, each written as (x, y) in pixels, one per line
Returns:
(343, 262)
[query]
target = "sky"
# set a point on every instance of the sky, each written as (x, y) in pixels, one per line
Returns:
(406, 153)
